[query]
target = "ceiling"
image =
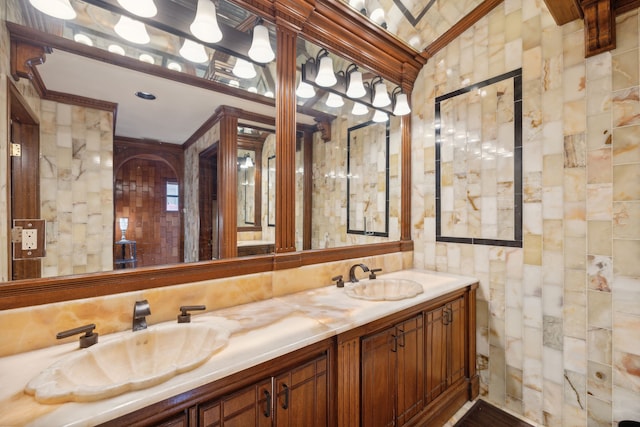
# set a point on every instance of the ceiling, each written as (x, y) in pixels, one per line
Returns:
(181, 106)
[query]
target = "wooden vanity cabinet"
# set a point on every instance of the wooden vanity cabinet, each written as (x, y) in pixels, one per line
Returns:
(414, 368)
(289, 391)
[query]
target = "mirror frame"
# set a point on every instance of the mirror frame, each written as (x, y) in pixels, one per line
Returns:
(328, 23)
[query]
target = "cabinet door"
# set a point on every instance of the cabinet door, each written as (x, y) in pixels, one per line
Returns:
(410, 362)
(378, 381)
(251, 406)
(435, 353)
(302, 395)
(457, 330)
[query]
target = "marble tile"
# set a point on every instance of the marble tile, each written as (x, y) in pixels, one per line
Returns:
(625, 404)
(599, 197)
(599, 345)
(625, 69)
(626, 145)
(626, 220)
(626, 371)
(626, 254)
(600, 273)
(553, 403)
(599, 379)
(625, 333)
(574, 151)
(575, 389)
(599, 413)
(599, 309)
(599, 134)
(626, 107)
(626, 295)
(514, 383)
(552, 332)
(552, 363)
(625, 182)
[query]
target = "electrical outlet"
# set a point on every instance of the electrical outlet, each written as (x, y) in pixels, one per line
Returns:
(29, 239)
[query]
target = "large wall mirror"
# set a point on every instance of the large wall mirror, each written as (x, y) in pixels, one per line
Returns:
(89, 198)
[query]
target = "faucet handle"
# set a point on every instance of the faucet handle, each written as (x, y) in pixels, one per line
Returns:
(338, 280)
(184, 316)
(372, 273)
(87, 340)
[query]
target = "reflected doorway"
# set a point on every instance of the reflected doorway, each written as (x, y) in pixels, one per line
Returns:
(208, 204)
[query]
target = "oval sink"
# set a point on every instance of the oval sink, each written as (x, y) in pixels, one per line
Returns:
(384, 289)
(133, 361)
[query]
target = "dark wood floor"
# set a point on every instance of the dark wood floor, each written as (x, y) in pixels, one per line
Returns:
(483, 414)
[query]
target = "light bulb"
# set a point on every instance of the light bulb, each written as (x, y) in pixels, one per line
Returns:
(57, 8)
(380, 116)
(381, 97)
(83, 39)
(193, 51)
(268, 94)
(334, 101)
(205, 25)
(145, 57)
(326, 77)
(377, 16)
(244, 69)
(132, 30)
(260, 50)
(305, 90)
(174, 66)
(143, 8)
(117, 49)
(402, 105)
(356, 89)
(359, 109)
(253, 89)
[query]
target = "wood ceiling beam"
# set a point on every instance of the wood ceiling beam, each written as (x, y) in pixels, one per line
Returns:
(564, 11)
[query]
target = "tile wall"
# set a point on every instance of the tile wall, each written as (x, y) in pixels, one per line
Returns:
(559, 319)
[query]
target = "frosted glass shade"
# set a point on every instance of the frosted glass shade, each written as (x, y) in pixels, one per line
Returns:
(205, 25)
(402, 105)
(305, 90)
(260, 50)
(377, 16)
(334, 101)
(381, 97)
(359, 109)
(132, 30)
(193, 51)
(356, 89)
(243, 69)
(326, 77)
(143, 8)
(380, 116)
(57, 8)
(117, 49)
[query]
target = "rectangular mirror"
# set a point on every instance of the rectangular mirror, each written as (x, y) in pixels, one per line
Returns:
(368, 179)
(246, 188)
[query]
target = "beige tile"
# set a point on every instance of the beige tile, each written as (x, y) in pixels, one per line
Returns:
(625, 182)
(625, 69)
(626, 145)
(599, 237)
(626, 254)
(626, 220)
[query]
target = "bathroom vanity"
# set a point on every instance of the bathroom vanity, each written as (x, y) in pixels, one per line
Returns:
(314, 358)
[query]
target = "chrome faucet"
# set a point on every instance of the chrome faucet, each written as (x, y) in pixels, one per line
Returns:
(140, 310)
(352, 271)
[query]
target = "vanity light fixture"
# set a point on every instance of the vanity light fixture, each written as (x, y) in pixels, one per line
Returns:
(401, 103)
(358, 5)
(355, 87)
(82, 39)
(132, 30)
(377, 16)
(325, 77)
(243, 69)
(380, 116)
(359, 109)
(334, 100)
(260, 50)
(61, 9)
(117, 49)
(143, 8)
(205, 25)
(305, 90)
(248, 162)
(193, 51)
(380, 94)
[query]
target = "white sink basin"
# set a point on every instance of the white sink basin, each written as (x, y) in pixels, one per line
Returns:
(133, 361)
(384, 289)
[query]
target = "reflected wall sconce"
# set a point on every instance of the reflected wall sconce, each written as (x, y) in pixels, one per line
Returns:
(334, 100)
(243, 69)
(349, 83)
(194, 52)
(205, 24)
(132, 30)
(380, 116)
(245, 162)
(143, 8)
(305, 90)
(61, 9)
(260, 50)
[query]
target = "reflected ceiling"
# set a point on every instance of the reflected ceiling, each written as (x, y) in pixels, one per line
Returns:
(416, 22)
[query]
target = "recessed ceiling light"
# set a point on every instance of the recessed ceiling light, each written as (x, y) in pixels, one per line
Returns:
(145, 95)
(145, 57)
(174, 66)
(117, 49)
(83, 39)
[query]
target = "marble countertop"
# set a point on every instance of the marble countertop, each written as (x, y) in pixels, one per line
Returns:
(260, 331)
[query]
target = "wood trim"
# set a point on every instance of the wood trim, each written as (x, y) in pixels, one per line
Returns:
(25, 293)
(460, 27)
(227, 186)
(623, 6)
(307, 189)
(81, 101)
(348, 393)
(599, 26)
(405, 178)
(564, 11)
(285, 142)
(24, 57)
